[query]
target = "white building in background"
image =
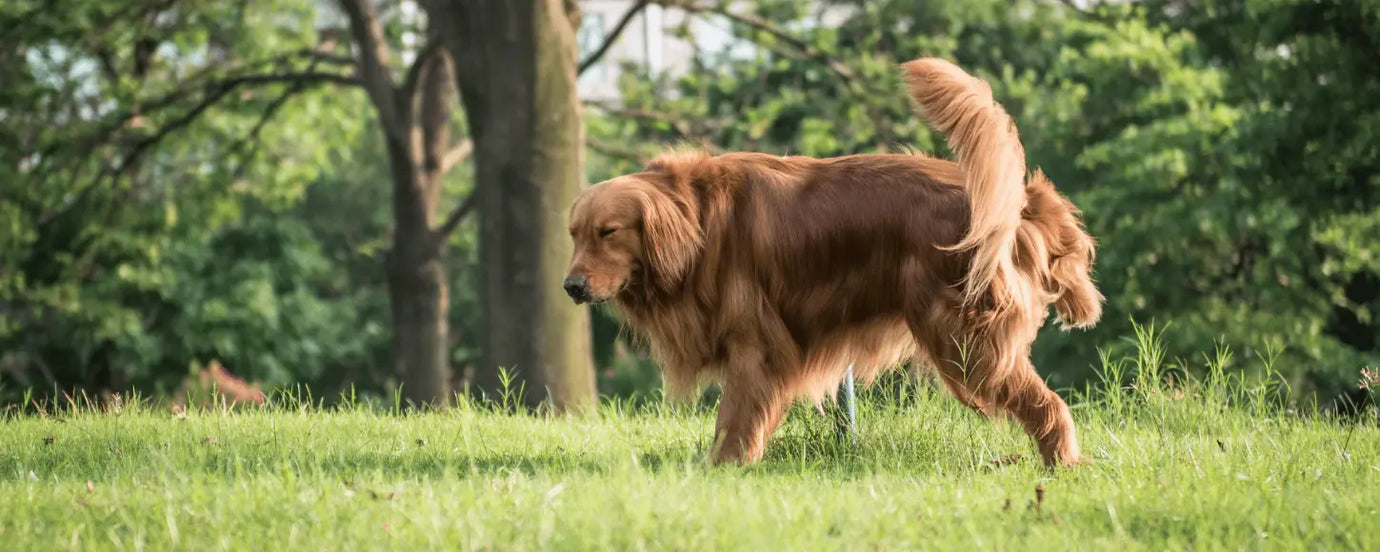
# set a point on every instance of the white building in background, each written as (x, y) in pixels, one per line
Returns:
(650, 40)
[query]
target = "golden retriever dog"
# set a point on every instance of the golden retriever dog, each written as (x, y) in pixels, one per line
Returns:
(769, 275)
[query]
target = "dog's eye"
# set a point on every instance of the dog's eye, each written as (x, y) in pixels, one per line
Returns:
(606, 232)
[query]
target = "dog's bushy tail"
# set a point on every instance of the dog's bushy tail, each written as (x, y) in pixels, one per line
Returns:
(992, 159)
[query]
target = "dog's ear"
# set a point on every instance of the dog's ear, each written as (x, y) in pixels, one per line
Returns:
(671, 237)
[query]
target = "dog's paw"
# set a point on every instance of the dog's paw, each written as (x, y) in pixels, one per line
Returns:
(1077, 461)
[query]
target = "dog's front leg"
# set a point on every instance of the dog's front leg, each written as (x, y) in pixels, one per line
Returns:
(747, 418)
(750, 408)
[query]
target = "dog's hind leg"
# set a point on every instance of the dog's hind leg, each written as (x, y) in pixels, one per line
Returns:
(1043, 413)
(953, 381)
(930, 333)
(971, 371)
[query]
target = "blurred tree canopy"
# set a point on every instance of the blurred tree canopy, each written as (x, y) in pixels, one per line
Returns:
(144, 193)
(181, 185)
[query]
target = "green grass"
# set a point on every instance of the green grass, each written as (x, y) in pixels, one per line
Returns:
(1175, 469)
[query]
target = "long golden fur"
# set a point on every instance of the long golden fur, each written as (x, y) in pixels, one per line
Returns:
(771, 274)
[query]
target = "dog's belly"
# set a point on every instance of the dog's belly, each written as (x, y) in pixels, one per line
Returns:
(853, 295)
(870, 348)
(862, 290)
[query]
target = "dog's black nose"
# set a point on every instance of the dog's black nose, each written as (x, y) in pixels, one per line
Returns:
(577, 287)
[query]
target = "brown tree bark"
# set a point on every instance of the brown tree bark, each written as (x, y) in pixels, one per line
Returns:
(416, 124)
(418, 291)
(515, 67)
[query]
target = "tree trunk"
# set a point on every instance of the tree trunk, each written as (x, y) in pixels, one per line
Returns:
(417, 285)
(417, 289)
(419, 296)
(515, 66)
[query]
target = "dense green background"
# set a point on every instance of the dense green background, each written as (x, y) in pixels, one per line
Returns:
(1227, 155)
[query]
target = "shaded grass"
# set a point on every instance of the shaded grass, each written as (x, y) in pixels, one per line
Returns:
(1211, 464)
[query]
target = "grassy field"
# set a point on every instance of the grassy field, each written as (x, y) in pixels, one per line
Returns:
(1175, 469)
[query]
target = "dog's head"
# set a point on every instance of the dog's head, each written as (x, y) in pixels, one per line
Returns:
(629, 232)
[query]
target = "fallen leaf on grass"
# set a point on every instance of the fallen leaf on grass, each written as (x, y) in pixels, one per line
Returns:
(392, 495)
(1008, 460)
(1039, 497)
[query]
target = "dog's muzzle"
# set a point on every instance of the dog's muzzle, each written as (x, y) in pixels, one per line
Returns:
(577, 287)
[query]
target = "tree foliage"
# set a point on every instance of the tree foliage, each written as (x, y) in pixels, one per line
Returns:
(142, 190)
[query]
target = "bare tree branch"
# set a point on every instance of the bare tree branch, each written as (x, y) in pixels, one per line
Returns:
(614, 151)
(676, 123)
(309, 77)
(199, 84)
(320, 54)
(453, 220)
(612, 37)
(460, 152)
(802, 49)
(757, 23)
(213, 95)
(214, 92)
(430, 53)
(428, 110)
(374, 67)
(108, 65)
(250, 140)
(689, 127)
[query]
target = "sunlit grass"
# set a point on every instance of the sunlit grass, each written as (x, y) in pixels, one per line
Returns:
(1210, 463)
